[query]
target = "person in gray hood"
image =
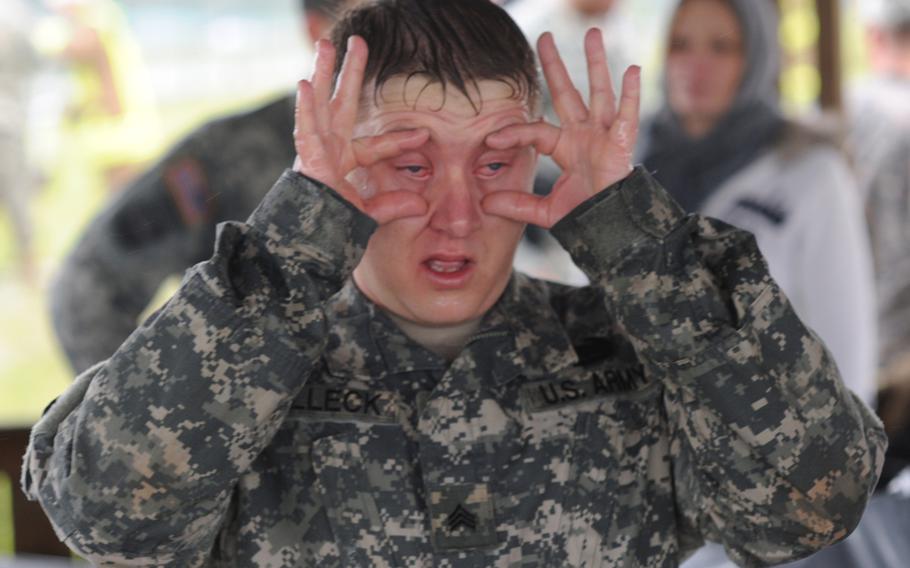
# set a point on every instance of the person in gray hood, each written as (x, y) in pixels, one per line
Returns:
(722, 147)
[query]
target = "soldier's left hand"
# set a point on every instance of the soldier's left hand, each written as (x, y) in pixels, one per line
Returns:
(593, 144)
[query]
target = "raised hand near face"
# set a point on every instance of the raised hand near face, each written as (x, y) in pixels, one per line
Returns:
(323, 135)
(593, 144)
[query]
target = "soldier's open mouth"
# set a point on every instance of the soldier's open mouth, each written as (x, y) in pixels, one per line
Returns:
(446, 266)
(448, 271)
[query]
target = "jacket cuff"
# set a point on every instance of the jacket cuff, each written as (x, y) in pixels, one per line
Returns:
(308, 225)
(633, 210)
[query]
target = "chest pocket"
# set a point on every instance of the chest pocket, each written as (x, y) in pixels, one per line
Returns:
(601, 438)
(367, 484)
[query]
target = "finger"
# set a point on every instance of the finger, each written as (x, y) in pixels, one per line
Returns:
(541, 135)
(625, 128)
(322, 83)
(517, 206)
(304, 111)
(566, 99)
(603, 99)
(346, 99)
(371, 149)
(392, 205)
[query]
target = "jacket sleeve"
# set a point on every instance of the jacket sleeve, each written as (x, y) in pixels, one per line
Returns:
(136, 462)
(771, 455)
(159, 226)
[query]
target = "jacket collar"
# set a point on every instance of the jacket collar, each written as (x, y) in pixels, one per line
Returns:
(520, 336)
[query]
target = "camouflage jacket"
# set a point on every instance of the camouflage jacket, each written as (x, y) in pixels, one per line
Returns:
(269, 415)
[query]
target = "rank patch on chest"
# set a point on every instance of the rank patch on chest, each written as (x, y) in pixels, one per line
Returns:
(462, 517)
(337, 402)
(600, 383)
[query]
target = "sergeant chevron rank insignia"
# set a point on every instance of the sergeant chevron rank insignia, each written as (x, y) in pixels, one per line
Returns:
(600, 383)
(462, 516)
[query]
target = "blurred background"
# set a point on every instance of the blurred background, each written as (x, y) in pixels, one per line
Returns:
(94, 91)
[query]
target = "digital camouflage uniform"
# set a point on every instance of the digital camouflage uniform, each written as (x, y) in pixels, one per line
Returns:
(888, 206)
(162, 224)
(270, 415)
(880, 130)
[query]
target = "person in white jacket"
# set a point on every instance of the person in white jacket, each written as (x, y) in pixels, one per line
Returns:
(722, 148)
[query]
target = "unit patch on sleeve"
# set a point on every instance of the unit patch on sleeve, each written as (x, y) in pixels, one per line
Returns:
(189, 189)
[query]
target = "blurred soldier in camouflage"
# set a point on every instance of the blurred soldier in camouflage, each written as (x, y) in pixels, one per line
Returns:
(358, 378)
(880, 120)
(164, 222)
(881, 132)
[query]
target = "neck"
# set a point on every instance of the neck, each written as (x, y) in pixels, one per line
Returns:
(445, 341)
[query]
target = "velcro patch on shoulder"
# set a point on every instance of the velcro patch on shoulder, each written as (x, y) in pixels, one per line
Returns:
(187, 183)
(338, 402)
(546, 395)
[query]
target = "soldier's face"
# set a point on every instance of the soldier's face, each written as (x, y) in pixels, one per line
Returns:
(451, 264)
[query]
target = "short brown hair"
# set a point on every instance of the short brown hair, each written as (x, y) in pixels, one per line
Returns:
(452, 42)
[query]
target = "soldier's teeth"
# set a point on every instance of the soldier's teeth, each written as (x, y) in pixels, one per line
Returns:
(446, 266)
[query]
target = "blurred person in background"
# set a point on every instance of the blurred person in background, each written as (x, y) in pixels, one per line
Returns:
(722, 148)
(17, 62)
(164, 222)
(879, 112)
(111, 118)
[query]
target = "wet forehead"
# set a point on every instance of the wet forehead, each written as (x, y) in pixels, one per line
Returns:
(417, 103)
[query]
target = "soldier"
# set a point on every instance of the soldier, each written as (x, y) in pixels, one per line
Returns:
(164, 222)
(880, 121)
(357, 377)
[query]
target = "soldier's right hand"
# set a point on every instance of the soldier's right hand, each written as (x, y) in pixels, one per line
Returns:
(323, 135)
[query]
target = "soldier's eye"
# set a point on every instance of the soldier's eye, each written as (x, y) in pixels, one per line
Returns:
(492, 169)
(415, 171)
